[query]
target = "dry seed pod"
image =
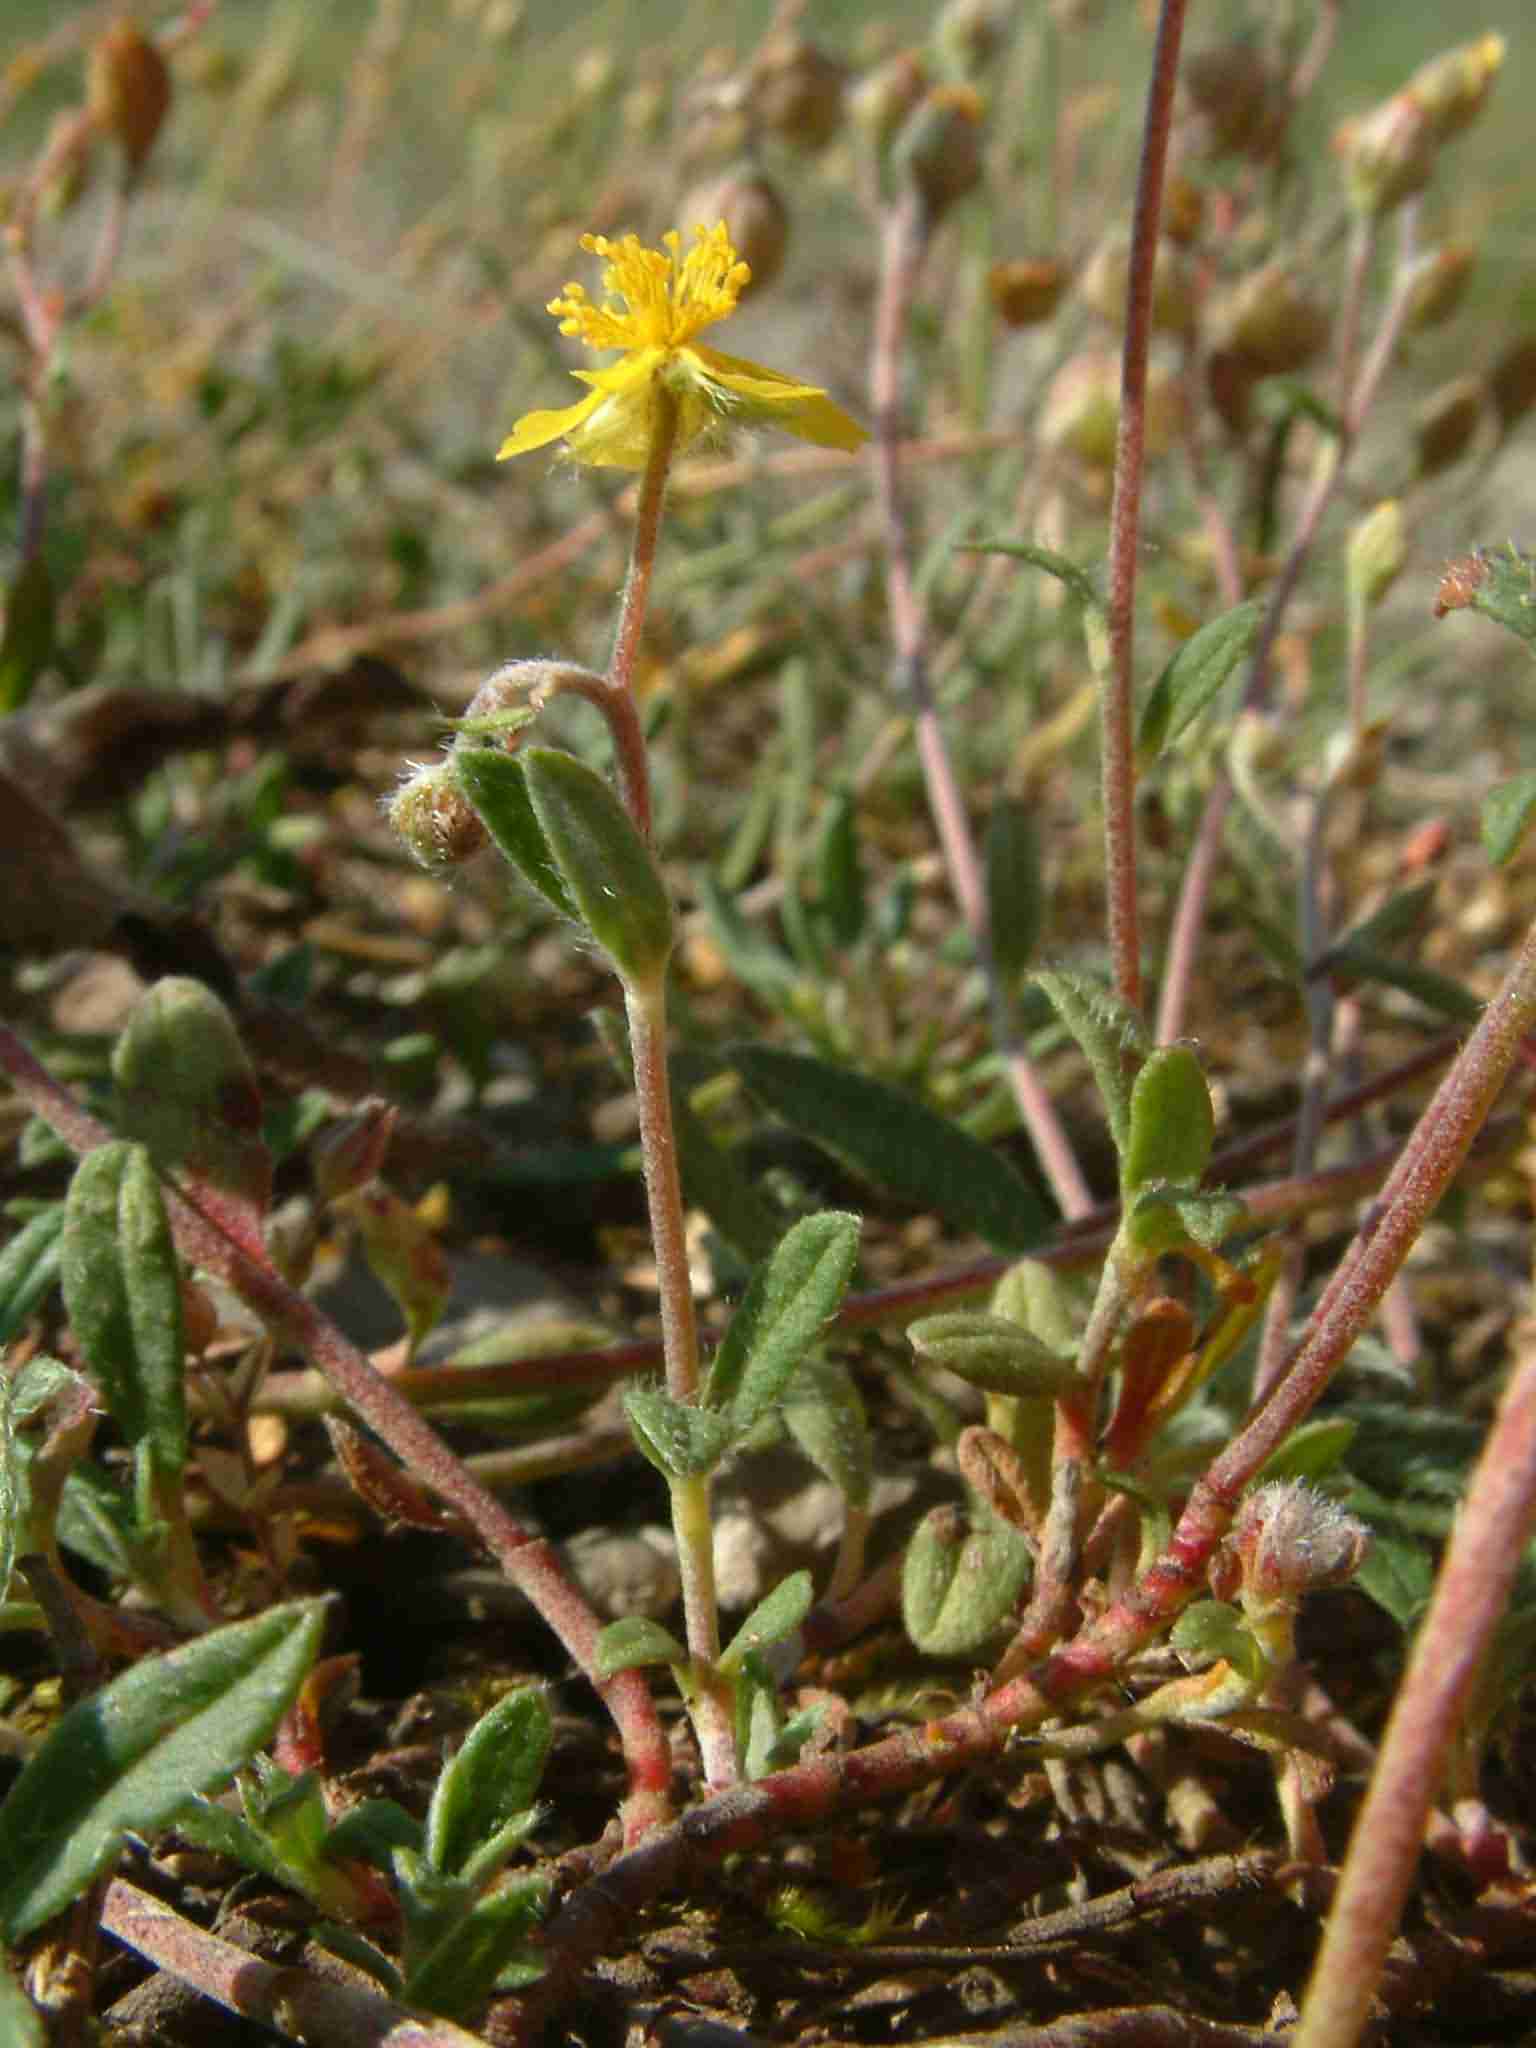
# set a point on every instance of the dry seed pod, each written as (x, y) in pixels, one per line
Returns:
(1269, 321)
(1242, 102)
(1446, 422)
(755, 217)
(128, 91)
(1024, 294)
(795, 90)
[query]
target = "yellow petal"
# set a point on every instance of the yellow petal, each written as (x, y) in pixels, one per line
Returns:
(538, 429)
(759, 394)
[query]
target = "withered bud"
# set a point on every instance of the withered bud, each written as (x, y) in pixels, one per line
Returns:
(1024, 294)
(1440, 284)
(795, 90)
(1243, 103)
(434, 819)
(1104, 283)
(968, 35)
(938, 151)
(1463, 579)
(128, 91)
(1290, 1540)
(1446, 422)
(755, 217)
(1269, 320)
(1512, 382)
(880, 101)
(350, 1152)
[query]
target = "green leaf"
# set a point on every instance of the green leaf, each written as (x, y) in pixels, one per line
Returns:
(1436, 991)
(1506, 590)
(1194, 676)
(123, 1294)
(1111, 1034)
(841, 897)
(681, 1441)
(1015, 889)
(787, 1303)
(372, 1831)
(993, 1353)
(128, 1759)
(958, 1584)
(1210, 1631)
(1311, 1451)
(1506, 818)
(607, 867)
(824, 1413)
(26, 641)
(494, 783)
(633, 1640)
(1173, 1125)
(29, 1268)
(1163, 1220)
(1080, 585)
(777, 1615)
(21, 2024)
(1037, 1298)
(898, 1142)
(491, 1783)
(457, 1975)
(1400, 917)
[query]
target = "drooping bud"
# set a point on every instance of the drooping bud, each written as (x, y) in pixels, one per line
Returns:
(1269, 320)
(1446, 422)
(128, 91)
(938, 151)
(1290, 1540)
(1024, 294)
(1440, 284)
(1378, 548)
(795, 90)
(433, 818)
(755, 217)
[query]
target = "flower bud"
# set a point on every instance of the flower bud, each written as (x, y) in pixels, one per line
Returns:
(968, 35)
(755, 217)
(1290, 1540)
(1103, 285)
(1451, 89)
(1024, 294)
(795, 90)
(1242, 102)
(128, 91)
(1377, 550)
(1440, 284)
(1081, 413)
(1387, 155)
(1446, 422)
(938, 151)
(880, 101)
(1269, 321)
(1183, 210)
(433, 818)
(68, 152)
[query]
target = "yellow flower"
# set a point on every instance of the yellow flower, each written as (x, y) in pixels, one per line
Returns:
(657, 302)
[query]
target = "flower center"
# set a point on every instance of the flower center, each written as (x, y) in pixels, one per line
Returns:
(654, 298)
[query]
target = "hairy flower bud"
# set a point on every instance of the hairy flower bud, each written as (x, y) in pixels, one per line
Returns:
(434, 819)
(1453, 87)
(1440, 284)
(1024, 294)
(880, 101)
(1446, 422)
(1104, 284)
(1377, 550)
(1269, 320)
(1081, 413)
(1290, 1540)
(756, 219)
(795, 90)
(1387, 155)
(1242, 102)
